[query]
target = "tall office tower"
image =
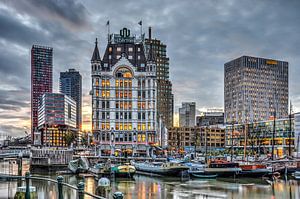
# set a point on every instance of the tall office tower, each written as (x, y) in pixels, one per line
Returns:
(187, 114)
(41, 79)
(255, 89)
(164, 85)
(124, 96)
(70, 83)
(56, 118)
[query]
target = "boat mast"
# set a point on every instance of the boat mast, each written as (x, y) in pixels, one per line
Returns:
(232, 141)
(290, 132)
(273, 134)
(206, 144)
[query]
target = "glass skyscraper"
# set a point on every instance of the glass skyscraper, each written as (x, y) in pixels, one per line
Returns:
(70, 83)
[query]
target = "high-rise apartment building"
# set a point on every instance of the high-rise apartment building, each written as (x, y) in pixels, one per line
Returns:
(70, 83)
(124, 92)
(41, 79)
(187, 114)
(56, 118)
(165, 100)
(255, 89)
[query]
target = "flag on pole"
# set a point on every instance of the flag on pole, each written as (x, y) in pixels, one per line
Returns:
(140, 23)
(107, 23)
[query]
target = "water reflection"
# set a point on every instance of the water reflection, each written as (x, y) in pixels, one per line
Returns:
(142, 187)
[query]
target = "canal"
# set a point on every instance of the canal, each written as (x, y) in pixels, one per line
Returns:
(156, 188)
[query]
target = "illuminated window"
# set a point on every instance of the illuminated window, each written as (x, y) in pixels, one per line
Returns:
(102, 126)
(139, 126)
(107, 126)
(129, 126)
(130, 49)
(97, 82)
(149, 126)
(103, 82)
(139, 137)
(103, 93)
(121, 126)
(143, 137)
(143, 126)
(119, 49)
(110, 49)
(107, 82)
(107, 93)
(125, 126)
(123, 72)
(117, 83)
(117, 126)
(97, 93)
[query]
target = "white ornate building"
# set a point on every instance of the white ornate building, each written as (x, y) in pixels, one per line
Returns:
(124, 93)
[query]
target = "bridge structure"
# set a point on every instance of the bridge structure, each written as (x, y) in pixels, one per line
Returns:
(14, 153)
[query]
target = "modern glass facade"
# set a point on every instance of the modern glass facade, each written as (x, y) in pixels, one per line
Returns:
(57, 116)
(70, 83)
(259, 136)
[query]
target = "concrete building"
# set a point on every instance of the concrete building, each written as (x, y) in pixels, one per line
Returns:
(56, 118)
(124, 93)
(41, 79)
(185, 138)
(165, 101)
(187, 114)
(255, 89)
(211, 117)
(70, 83)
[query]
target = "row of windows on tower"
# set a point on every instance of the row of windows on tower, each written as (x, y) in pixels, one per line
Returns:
(122, 83)
(119, 49)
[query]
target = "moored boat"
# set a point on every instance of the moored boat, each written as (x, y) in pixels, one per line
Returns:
(254, 170)
(123, 171)
(161, 168)
(297, 175)
(222, 168)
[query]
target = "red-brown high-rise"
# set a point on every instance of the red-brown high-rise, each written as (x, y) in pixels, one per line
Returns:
(41, 79)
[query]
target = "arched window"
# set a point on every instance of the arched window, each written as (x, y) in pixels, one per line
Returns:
(123, 72)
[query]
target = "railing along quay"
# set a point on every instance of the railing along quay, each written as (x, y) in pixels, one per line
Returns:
(59, 181)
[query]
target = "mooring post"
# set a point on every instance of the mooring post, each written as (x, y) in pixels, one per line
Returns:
(27, 193)
(80, 187)
(60, 186)
(118, 195)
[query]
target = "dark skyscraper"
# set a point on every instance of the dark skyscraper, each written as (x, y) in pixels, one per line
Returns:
(41, 79)
(164, 86)
(70, 83)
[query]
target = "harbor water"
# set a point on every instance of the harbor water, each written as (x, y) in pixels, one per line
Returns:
(146, 187)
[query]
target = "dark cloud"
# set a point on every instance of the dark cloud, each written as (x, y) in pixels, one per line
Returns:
(201, 36)
(68, 12)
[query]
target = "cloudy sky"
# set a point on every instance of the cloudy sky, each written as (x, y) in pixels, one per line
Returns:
(201, 36)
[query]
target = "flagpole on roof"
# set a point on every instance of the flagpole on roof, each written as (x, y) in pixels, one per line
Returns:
(141, 28)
